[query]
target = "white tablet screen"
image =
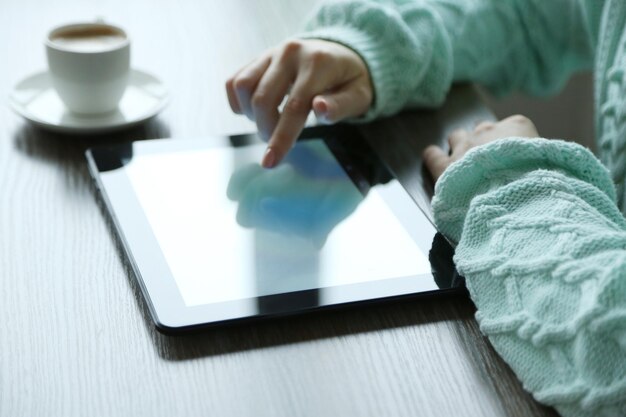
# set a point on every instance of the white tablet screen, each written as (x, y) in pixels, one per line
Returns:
(230, 229)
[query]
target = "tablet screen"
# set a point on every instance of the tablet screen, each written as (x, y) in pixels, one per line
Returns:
(229, 229)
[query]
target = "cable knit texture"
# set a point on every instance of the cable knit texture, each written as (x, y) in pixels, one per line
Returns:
(541, 243)
(541, 239)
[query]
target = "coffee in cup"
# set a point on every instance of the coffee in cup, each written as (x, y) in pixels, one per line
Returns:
(89, 66)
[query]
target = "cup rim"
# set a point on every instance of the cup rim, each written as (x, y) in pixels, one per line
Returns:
(51, 44)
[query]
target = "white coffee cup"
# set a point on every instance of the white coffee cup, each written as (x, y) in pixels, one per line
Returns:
(89, 65)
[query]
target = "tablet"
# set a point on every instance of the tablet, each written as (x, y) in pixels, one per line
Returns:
(214, 238)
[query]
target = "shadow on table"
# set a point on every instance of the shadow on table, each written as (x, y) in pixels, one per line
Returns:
(314, 326)
(68, 150)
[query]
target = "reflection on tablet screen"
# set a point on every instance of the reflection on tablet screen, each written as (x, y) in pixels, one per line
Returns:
(230, 229)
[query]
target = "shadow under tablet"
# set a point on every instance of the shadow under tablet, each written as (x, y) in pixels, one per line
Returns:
(216, 239)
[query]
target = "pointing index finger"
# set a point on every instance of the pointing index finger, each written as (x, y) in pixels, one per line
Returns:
(290, 124)
(292, 118)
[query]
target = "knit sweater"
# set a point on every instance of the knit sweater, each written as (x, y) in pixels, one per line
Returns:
(540, 234)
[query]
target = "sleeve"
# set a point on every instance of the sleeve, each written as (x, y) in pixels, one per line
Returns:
(541, 244)
(415, 49)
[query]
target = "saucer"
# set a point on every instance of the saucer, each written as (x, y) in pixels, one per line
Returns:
(35, 99)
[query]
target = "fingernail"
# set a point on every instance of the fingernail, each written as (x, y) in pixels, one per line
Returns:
(321, 112)
(269, 159)
(322, 106)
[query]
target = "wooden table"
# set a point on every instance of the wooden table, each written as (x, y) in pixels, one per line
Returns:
(75, 338)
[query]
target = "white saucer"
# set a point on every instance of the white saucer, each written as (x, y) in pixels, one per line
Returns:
(36, 100)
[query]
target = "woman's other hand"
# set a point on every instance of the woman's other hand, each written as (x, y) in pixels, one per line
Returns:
(324, 76)
(461, 141)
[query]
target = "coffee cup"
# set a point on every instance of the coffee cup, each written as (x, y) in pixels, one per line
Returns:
(89, 65)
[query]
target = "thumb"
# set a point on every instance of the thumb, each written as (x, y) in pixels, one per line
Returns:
(351, 100)
(436, 161)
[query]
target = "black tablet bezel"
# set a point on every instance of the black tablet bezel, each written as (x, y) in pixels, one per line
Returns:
(167, 307)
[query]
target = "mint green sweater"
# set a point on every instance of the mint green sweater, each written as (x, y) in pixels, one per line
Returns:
(541, 239)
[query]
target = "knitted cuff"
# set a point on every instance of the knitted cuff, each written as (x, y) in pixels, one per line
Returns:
(500, 162)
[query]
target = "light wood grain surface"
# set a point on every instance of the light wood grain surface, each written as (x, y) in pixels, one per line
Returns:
(75, 338)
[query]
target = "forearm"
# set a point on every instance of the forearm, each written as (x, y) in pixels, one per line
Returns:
(529, 45)
(416, 49)
(541, 244)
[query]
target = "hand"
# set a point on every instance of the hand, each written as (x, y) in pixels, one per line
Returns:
(461, 141)
(324, 76)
